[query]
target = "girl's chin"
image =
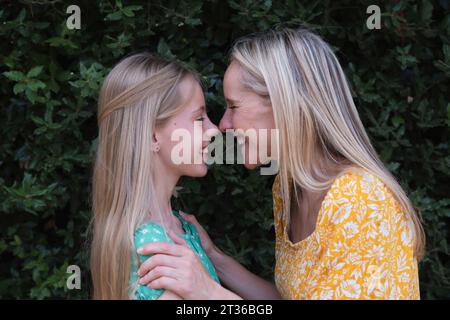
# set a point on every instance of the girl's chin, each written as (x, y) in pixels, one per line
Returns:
(198, 170)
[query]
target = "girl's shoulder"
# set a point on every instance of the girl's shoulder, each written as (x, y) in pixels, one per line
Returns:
(154, 232)
(149, 232)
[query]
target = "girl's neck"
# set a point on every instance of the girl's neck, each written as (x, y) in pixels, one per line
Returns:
(165, 182)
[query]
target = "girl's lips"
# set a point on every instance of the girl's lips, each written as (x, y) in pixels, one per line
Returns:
(205, 145)
(204, 151)
(205, 154)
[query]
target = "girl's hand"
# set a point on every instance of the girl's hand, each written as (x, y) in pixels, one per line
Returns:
(175, 267)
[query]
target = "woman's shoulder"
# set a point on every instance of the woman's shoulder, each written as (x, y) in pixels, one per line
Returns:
(351, 183)
(362, 184)
(361, 197)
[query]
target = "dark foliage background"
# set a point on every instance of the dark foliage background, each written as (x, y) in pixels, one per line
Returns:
(49, 81)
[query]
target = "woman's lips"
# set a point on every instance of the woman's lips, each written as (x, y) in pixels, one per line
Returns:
(204, 151)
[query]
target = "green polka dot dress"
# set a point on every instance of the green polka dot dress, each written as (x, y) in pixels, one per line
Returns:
(153, 232)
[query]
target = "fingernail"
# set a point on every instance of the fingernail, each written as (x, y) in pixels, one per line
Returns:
(140, 250)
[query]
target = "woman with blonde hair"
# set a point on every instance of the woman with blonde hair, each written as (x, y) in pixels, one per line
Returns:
(143, 100)
(344, 227)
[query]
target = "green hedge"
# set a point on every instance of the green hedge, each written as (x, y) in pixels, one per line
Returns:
(49, 81)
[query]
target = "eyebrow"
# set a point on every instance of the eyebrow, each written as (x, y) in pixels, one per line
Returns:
(231, 101)
(201, 108)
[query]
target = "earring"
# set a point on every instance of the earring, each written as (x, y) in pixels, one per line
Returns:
(156, 147)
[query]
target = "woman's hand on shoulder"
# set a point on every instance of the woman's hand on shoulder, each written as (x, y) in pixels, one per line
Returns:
(207, 243)
(175, 267)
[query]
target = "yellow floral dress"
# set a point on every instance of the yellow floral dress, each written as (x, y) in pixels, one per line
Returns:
(361, 248)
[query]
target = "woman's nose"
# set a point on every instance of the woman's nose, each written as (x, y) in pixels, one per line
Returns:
(211, 129)
(226, 121)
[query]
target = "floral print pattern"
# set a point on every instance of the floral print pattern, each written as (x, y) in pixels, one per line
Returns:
(362, 247)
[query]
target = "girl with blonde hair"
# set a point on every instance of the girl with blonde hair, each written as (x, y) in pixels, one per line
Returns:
(143, 100)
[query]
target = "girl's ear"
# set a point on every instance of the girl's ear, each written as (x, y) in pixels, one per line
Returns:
(155, 142)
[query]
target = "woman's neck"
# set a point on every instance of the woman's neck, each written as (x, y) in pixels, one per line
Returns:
(325, 170)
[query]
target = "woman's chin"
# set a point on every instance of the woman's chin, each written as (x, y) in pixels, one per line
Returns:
(251, 166)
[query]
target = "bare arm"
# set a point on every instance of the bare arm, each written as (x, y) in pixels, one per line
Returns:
(240, 280)
(231, 273)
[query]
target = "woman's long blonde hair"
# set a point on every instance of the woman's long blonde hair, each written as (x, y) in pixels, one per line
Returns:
(315, 114)
(138, 95)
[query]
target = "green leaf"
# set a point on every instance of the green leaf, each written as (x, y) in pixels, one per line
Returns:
(128, 11)
(114, 16)
(34, 72)
(164, 50)
(31, 96)
(427, 10)
(34, 85)
(14, 75)
(19, 87)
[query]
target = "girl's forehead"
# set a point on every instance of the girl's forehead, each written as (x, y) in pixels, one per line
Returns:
(191, 94)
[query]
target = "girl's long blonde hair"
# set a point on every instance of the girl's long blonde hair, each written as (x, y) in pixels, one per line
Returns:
(315, 114)
(138, 95)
